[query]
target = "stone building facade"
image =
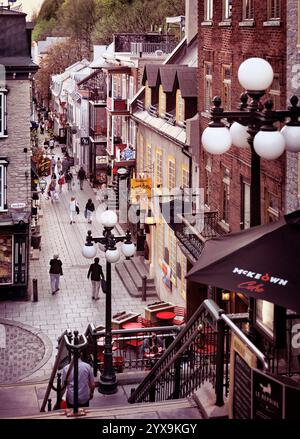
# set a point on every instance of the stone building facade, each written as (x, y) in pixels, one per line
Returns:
(15, 162)
(292, 192)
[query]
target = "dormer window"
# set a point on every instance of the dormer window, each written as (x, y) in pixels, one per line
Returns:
(3, 114)
(147, 95)
(162, 102)
(180, 110)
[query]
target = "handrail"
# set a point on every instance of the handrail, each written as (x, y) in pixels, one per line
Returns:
(247, 342)
(166, 380)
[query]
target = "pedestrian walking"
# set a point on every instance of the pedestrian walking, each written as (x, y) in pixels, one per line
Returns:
(53, 164)
(42, 127)
(55, 273)
(59, 165)
(52, 189)
(89, 209)
(61, 181)
(51, 144)
(74, 207)
(65, 164)
(81, 176)
(96, 273)
(69, 178)
(86, 383)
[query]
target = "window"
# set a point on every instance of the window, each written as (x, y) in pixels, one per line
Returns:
(272, 203)
(147, 96)
(207, 85)
(207, 181)
(141, 153)
(3, 120)
(227, 9)
(185, 178)
(6, 258)
(180, 111)
(274, 92)
(158, 168)
(273, 9)
(148, 168)
(226, 87)
(124, 86)
(3, 188)
(245, 205)
(248, 9)
(208, 10)
(117, 86)
(172, 255)
(160, 242)
(162, 102)
(225, 192)
(171, 174)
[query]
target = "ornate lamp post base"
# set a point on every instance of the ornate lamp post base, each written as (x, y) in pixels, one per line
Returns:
(108, 386)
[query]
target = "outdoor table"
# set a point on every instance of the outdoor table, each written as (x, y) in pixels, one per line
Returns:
(133, 325)
(166, 316)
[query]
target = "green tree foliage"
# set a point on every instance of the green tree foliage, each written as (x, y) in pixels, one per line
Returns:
(133, 16)
(97, 20)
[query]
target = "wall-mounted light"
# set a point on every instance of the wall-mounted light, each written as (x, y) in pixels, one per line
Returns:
(225, 296)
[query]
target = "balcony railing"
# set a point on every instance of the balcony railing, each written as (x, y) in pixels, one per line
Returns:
(170, 118)
(140, 105)
(153, 111)
(151, 48)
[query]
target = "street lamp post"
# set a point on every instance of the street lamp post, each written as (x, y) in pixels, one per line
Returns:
(253, 125)
(108, 382)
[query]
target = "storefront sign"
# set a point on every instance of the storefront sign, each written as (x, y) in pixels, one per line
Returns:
(44, 167)
(242, 360)
(141, 187)
(18, 205)
(84, 140)
(101, 159)
(274, 397)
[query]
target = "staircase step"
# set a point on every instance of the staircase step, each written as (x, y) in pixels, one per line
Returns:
(129, 284)
(140, 266)
(181, 409)
(137, 277)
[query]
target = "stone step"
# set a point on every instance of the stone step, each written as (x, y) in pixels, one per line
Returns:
(140, 265)
(137, 277)
(129, 283)
(185, 408)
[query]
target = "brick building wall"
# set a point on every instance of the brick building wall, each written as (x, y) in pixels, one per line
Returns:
(293, 87)
(12, 147)
(230, 43)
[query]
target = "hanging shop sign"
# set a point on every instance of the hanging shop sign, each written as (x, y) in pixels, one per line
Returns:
(101, 159)
(84, 140)
(141, 187)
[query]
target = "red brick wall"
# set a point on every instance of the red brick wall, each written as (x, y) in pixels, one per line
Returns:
(231, 45)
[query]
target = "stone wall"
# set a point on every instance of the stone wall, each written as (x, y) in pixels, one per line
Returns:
(12, 147)
(292, 201)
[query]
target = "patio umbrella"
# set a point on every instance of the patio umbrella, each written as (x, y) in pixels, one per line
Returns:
(261, 262)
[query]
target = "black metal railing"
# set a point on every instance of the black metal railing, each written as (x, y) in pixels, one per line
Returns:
(128, 354)
(150, 48)
(199, 353)
(153, 111)
(140, 105)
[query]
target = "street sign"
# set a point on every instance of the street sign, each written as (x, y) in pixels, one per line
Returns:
(18, 205)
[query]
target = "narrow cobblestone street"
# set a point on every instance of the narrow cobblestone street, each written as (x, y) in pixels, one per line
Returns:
(72, 307)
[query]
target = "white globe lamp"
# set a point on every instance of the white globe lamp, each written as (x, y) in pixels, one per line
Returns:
(269, 144)
(128, 249)
(89, 251)
(112, 255)
(239, 135)
(291, 136)
(108, 218)
(216, 140)
(255, 74)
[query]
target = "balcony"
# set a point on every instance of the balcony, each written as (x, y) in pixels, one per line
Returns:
(116, 104)
(152, 48)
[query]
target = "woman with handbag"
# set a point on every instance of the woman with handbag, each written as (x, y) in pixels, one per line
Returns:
(89, 209)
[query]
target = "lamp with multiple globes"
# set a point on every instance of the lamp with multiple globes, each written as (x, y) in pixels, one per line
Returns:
(108, 243)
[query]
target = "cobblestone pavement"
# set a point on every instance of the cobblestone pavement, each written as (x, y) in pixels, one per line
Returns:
(72, 307)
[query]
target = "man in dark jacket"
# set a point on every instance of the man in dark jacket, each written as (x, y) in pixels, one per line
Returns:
(81, 176)
(96, 273)
(55, 273)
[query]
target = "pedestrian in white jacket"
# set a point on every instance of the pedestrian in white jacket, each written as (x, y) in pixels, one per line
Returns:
(74, 208)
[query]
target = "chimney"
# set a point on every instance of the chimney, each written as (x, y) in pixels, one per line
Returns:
(191, 19)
